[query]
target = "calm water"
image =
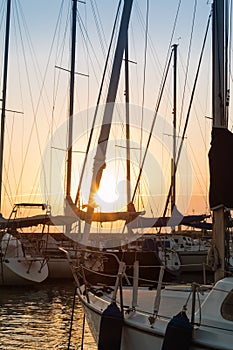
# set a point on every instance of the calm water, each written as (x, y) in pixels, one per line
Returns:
(38, 317)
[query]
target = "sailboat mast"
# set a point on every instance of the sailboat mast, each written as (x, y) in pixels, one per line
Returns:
(100, 157)
(127, 121)
(219, 78)
(219, 117)
(173, 182)
(71, 100)
(4, 89)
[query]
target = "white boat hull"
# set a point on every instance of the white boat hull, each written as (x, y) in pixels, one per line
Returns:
(138, 333)
(18, 268)
(20, 272)
(133, 337)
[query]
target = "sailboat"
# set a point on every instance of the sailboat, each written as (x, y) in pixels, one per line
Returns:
(103, 251)
(17, 265)
(194, 317)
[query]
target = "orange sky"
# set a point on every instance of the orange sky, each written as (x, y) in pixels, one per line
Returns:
(40, 91)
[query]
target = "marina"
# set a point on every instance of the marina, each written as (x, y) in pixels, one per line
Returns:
(36, 240)
(111, 245)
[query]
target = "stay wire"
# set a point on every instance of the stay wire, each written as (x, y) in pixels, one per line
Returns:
(188, 62)
(77, 198)
(162, 86)
(152, 126)
(188, 113)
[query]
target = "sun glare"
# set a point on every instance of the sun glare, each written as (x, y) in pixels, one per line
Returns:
(111, 194)
(107, 191)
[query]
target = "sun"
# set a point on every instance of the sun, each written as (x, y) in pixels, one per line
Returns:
(107, 195)
(107, 191)
(111, 194)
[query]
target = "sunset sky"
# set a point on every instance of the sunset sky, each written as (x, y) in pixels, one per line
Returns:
(40, 40)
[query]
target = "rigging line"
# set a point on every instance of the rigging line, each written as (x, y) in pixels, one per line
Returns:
(202, 133)
(53, 40)
(26, 156)
(153, 123)
(8, 195)
(3, 15)
(36, 190)
(86, 40)
(83, 30)
(99, 27)
(164, 77)
(17, 49)
(77, 198)
(88, 69)
(144, 73)
(188, 113)
(196, 115)
(59, 51)
(134, 92)
(100, 30)
(188, 63)
(173, 30)
(57, 29)
(56, 85)
(154, 54)
(43, 79)
(4, 90)
(32, 51)
(203, 190)
(7, 166)
(21, 94)
(35, 110)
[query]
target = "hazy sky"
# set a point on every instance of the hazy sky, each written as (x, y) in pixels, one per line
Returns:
(40, 91)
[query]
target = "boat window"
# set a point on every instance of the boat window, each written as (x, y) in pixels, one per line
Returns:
(227, 307)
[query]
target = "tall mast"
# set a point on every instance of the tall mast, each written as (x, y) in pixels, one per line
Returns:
(173, 175)
(219, 117)
(127, 121)
(4, 88)
(71, 101)
(100, 157)
(219, 72)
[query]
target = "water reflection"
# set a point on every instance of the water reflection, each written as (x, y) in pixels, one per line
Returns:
(38, 317)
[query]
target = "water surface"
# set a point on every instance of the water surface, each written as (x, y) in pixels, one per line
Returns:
(39, 316)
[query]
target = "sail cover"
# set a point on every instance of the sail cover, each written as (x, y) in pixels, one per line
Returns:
(221, 169)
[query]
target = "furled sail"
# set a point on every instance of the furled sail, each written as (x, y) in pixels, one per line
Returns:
(221, 169)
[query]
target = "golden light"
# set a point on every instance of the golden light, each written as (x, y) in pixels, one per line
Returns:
(111, 195)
